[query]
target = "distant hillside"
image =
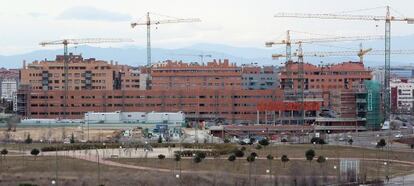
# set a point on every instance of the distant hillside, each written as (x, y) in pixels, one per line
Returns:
(135, 55)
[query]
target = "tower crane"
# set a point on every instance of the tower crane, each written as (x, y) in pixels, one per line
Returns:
(387, 19)
(359, 53)
(65, 43)
(288, 41)
(150, 22)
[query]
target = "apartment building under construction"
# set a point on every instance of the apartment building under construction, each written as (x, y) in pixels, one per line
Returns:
(217, 91)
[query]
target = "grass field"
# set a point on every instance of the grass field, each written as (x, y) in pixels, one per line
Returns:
(15, 170)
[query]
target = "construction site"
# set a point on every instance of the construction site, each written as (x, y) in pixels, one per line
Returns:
(85, 115)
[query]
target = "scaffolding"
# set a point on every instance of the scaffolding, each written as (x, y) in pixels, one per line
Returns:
(374, 115)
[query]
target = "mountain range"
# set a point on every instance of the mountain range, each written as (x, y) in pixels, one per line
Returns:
(136, 55)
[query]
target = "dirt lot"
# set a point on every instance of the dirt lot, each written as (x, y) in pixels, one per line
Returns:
(56, 133)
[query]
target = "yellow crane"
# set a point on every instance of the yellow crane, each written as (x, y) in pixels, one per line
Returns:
(288, 41)
(65, 43)
(387, 18)
(148, 22)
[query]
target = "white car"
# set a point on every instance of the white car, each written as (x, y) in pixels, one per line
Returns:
(398, 135)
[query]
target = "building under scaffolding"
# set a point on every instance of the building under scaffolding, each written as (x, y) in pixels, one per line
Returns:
(374, 115)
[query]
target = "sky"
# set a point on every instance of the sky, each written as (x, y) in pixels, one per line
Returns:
(245, 23)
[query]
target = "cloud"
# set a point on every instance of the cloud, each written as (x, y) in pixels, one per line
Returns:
(36, 14)
(92, 14)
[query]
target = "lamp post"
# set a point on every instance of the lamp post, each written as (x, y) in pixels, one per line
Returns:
(99, 168)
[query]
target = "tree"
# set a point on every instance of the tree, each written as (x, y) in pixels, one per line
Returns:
(350, 141)
(269, 157)
(316, 140)
(284, 159)
(250, 159)
(3, 152)
(28, 139)
(201, 154)
(238, 153)
(251, 141)
(177, 157)
(321, 159)
(72, 138)
(254, 154)
(381, 143)
(159, 139)
(226, 140)
(35, 152)
(310, 154)
(161, 156)
(232, 158)
(197, 159)
(264, 142)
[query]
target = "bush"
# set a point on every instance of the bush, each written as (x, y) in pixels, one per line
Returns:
(177, 157)
(316, 140)
(201, 154)
(238, 153)
(160, 139)
(254, 154)
(269, 157)
(250, 159)
(264, 142)
(321, 159)
(226, 140)
(35, 152)
(310, 154)
(243, 148)
(197, 159)
(232, 158)
(72, 138)
(381, 143)
(161, 156)
(28, 140)
(258, 147)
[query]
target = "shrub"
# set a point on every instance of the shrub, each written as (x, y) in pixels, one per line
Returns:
(321, 159)
(232, 158)
(35, 152)
(310, 154)
(161, 156)
(197, 159)
(264, 142)
(226, 140)
(4, 152)
(269, 157)
(381, 143)
(201, 154)
(239, 153)
(250, 159)
(254, 154)
(258, 147)
(28, 140)
(316, 140)
(284, 159)
(243, 148)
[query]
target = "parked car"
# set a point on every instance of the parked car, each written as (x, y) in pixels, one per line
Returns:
(398, 135)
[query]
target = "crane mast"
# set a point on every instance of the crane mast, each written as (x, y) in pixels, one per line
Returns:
(150, 22)
(387, 18)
